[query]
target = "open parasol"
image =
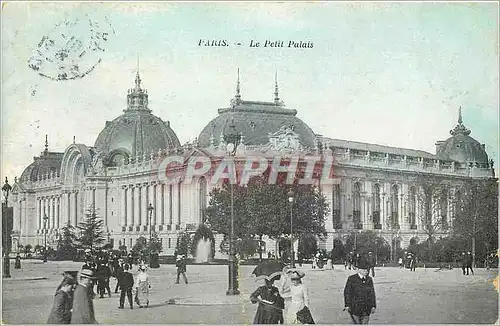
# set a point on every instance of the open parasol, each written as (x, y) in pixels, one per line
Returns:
(269, 269)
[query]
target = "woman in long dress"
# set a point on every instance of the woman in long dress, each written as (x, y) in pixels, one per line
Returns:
(63, 302)
(142, 287)
(299, 300)
(271, 304)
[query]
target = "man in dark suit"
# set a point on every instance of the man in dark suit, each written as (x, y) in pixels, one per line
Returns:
(126, 285)
(359, 294)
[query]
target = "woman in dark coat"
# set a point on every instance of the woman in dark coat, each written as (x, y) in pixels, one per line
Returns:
(271, 304)
(63, 302)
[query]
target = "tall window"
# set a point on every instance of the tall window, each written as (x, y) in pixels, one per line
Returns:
(202, 198)
(376, 207)
(337, 224)
(395, 207)
(356, 210)
(443, 209)
(413, 203)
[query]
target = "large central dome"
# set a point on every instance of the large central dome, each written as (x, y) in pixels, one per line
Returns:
(135, 133)
(257, 122)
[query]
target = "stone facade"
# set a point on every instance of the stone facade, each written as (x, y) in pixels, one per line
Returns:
(379, 186)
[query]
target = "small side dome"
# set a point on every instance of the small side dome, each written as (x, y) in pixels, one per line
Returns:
(461, 147)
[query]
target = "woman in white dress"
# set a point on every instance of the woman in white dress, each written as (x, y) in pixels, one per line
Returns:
(299, 297)
(142, 287)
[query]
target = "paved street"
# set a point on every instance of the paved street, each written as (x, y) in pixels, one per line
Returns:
(424, 296)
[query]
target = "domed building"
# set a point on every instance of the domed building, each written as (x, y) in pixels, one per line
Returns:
(461, 147)
(122, 177)
(135, 133)
(257, 121)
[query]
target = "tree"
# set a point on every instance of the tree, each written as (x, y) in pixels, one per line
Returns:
(205, 233)
(308, 245)
(183, 244)
(263, 209)
(91, 229)
(432, 202)
(66, 244)
(366, 241)
(27, 250)
(476, 215)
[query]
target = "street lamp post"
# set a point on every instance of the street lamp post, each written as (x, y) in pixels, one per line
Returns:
(45, 219)
(232, 140)
(292, 256)
(5, 207)
(150, 210)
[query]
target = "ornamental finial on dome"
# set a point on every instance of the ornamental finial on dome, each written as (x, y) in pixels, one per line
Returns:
(237, 97)
(460, 129)
(137, 98)
(46, 144)
(277, 100)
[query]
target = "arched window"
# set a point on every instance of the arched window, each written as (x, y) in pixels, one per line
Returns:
(202, 198)
(376, 207)
(337, 223)
(413, 208)
(356, 205)
(395, 207)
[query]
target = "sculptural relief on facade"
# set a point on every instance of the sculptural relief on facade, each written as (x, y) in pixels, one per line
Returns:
(285, 138)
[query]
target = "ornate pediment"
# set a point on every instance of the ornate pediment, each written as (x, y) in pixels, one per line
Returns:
(285, 138)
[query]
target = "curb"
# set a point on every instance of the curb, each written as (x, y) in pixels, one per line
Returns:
(25, 279)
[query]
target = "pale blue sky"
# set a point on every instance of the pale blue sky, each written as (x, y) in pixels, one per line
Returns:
(387, 73)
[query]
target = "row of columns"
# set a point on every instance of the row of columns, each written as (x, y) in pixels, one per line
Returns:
(170, 203)
(60, 209)
(135, 200)
(388, 202)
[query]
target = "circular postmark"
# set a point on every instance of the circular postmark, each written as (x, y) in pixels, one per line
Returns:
(73, 48)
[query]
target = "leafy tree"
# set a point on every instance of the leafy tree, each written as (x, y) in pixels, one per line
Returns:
(205, 233)
(431, 200)
(91, 230)
(366, 241)
(338, 251)
(66, 244)
(308, 245)
(38, 248)
(476, 215)
(27, 250)
(140, 245)
(263, 209)
(155, 245)
(183, 244)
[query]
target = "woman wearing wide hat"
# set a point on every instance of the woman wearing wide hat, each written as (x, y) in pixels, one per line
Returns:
(63, 302)
(142, 287)
(298, 308)
(271, 304)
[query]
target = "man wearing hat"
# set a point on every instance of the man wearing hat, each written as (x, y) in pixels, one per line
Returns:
(83, 306)
(181, 263)
(359, 294)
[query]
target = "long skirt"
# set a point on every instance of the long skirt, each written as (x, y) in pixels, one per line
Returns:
(143, 294)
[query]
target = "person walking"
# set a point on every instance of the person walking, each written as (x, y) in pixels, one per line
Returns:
(359, 295)
(17, 264)
(142, 287)
(126, 284)
(63, 302)
(271, 304)
(298, 307)
(181, 263)
(468, 264)
(118, 274)
(83, 306)
(371, 263)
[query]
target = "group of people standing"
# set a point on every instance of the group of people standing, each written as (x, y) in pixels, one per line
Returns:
(359, 297)
(73, 300)
(272, 300)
